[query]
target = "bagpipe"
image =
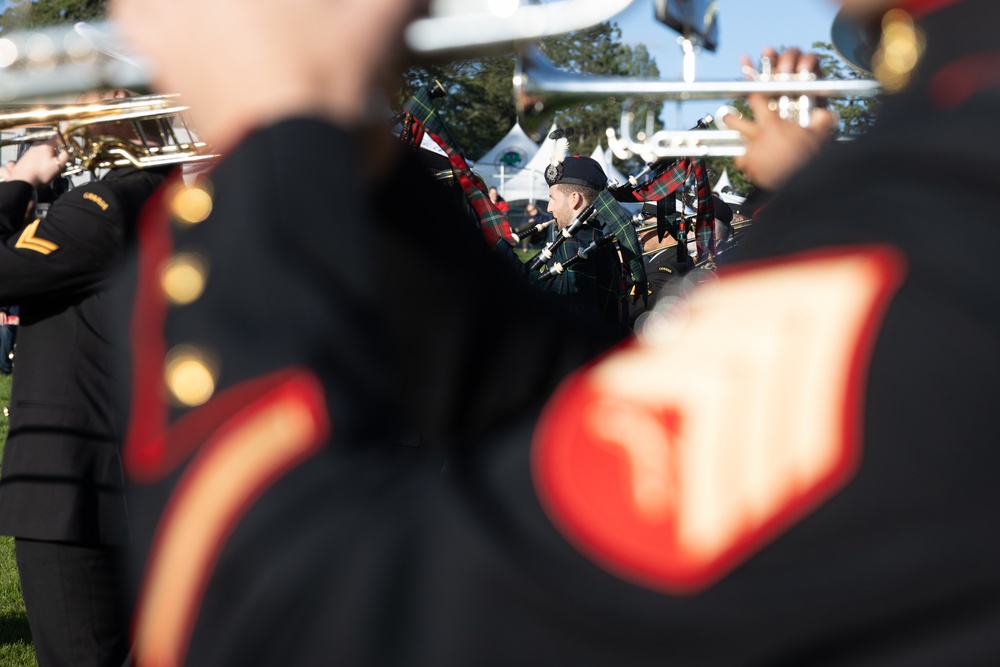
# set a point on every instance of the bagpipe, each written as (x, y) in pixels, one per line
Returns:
(581, 255)
(419, 116)
(412, 132)
(548, 252)
(530, 229)
(661, 179)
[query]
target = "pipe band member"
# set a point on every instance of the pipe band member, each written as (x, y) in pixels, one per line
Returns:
(596, 286)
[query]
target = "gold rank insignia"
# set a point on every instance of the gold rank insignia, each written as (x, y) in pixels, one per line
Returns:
(28, 240)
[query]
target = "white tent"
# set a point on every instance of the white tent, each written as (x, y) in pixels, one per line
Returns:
(732, 200)
(723, 182)
(527, 183)
(513, 151)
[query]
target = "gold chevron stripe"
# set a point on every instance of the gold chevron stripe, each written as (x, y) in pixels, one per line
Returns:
(29, 241)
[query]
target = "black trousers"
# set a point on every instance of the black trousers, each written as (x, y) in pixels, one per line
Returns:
(72, 594)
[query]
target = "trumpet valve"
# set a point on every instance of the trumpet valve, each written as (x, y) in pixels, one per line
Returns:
(722, 112)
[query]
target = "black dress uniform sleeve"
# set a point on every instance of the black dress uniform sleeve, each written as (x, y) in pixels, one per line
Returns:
(15, 197)
(68, 251)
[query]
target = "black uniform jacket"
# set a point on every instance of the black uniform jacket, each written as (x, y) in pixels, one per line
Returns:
(62, 477)
(665, 271)
(821, 490)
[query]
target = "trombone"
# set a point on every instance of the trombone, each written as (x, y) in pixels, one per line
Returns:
(160, 135)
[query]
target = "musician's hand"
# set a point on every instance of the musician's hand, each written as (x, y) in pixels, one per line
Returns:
(241, 65)
(777, 148)
(40, 164)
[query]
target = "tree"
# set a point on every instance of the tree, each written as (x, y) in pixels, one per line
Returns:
(479, 108)
(599, 51)
(26, 14)
(857, 115)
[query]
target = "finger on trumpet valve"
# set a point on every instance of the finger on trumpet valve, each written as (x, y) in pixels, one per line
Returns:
(785, 107)
(765, 68)
(804, 107)
(750, 73)
(722, 112)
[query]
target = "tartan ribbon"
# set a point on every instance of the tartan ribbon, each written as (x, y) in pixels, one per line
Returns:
(671, 178)
(492, 222)
(616, 221)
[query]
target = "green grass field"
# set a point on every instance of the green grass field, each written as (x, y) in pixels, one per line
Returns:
(15, 639)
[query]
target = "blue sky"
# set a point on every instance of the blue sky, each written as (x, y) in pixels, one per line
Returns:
(745, 27)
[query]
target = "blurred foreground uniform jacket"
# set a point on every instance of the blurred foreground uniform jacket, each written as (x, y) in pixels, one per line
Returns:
(819, 491)
(62, 475)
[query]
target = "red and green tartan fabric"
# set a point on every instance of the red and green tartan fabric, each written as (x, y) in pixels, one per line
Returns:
(673, 177)
(615, 220)
(492, 221)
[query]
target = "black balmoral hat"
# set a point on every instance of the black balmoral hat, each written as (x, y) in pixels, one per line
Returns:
(578, 170)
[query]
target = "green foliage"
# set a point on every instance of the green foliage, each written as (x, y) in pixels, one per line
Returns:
(599, 51)
(16, 649)
(23, 14)
(4, 402)
(857, 115)
(479, 109)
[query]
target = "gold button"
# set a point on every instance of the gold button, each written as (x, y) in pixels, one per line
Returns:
(183, 278)
(191, 204)
(190, 375)
(900, 49)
